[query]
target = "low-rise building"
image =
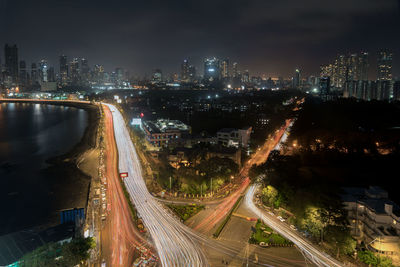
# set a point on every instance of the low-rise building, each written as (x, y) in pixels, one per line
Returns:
(374, 219)
(234, 137)
(164, 132)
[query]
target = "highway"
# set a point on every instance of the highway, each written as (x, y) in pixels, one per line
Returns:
(120, 237)
(175, 245)
(311, 252)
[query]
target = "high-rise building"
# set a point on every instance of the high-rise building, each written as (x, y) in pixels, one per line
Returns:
(23, 78)
(11, 62)
(192, 73)
(43, 70)
(225, 68)
(327, 70)
(157, 76)
(297, 78)
(384, 65)
(352, 68)
(211, 69)
(235, 70)
(51, 76)
(34, 74)
(246, 76)
(63, 70)
(74, 70)
(340, 70)
(185, 71)
(363, 66)
(119, 75)
(98, 73)
(324, 86)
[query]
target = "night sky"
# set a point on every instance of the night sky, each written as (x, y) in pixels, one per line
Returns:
(270, 37)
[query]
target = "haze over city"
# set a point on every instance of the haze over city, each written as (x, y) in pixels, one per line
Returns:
(271, 38)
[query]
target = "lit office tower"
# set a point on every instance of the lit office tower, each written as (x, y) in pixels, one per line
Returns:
(63, 69)
(99, 73)
(22, 73)
(352, 68)
(225, 68)
(211, 69)
(11, 61)
(235, 71)
(43, 70)
(384, 65)
(74, 70)
(192, 73)
(34, 74)
(185, 71)
(363, 66)
(297, 78)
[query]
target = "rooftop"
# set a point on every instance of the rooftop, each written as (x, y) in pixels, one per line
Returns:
(165, 125)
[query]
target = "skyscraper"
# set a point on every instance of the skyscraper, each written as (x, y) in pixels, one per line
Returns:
(34, 74)
(192, 73)
(235, 71)
(22, 73)
(51, 77)
(363, 65)
(296, 79)
(74, 70)
(324, 86)
(43, 70)
(246, 76)
(63, 69)
(84, 67)
(352, 68)
(211, 69)
(384, 65)
(185, 71)
(225, 68)
(11, 61)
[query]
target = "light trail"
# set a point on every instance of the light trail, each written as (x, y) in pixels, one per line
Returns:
(120, 237)
(176, 245)
(312, 253)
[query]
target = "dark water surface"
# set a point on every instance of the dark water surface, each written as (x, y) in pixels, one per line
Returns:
(29, 135)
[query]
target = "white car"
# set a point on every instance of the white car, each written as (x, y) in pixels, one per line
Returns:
(280, 218)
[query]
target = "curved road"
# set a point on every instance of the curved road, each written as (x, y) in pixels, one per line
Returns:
(175, 245)
(313, 253)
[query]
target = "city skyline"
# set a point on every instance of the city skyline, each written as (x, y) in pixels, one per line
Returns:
(227, 67)
(134, 37)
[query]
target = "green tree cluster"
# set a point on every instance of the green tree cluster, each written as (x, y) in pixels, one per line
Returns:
(372, 260)
(59, 255)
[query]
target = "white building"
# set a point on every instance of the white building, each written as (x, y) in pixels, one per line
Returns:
(374, 219)
(234, 137)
